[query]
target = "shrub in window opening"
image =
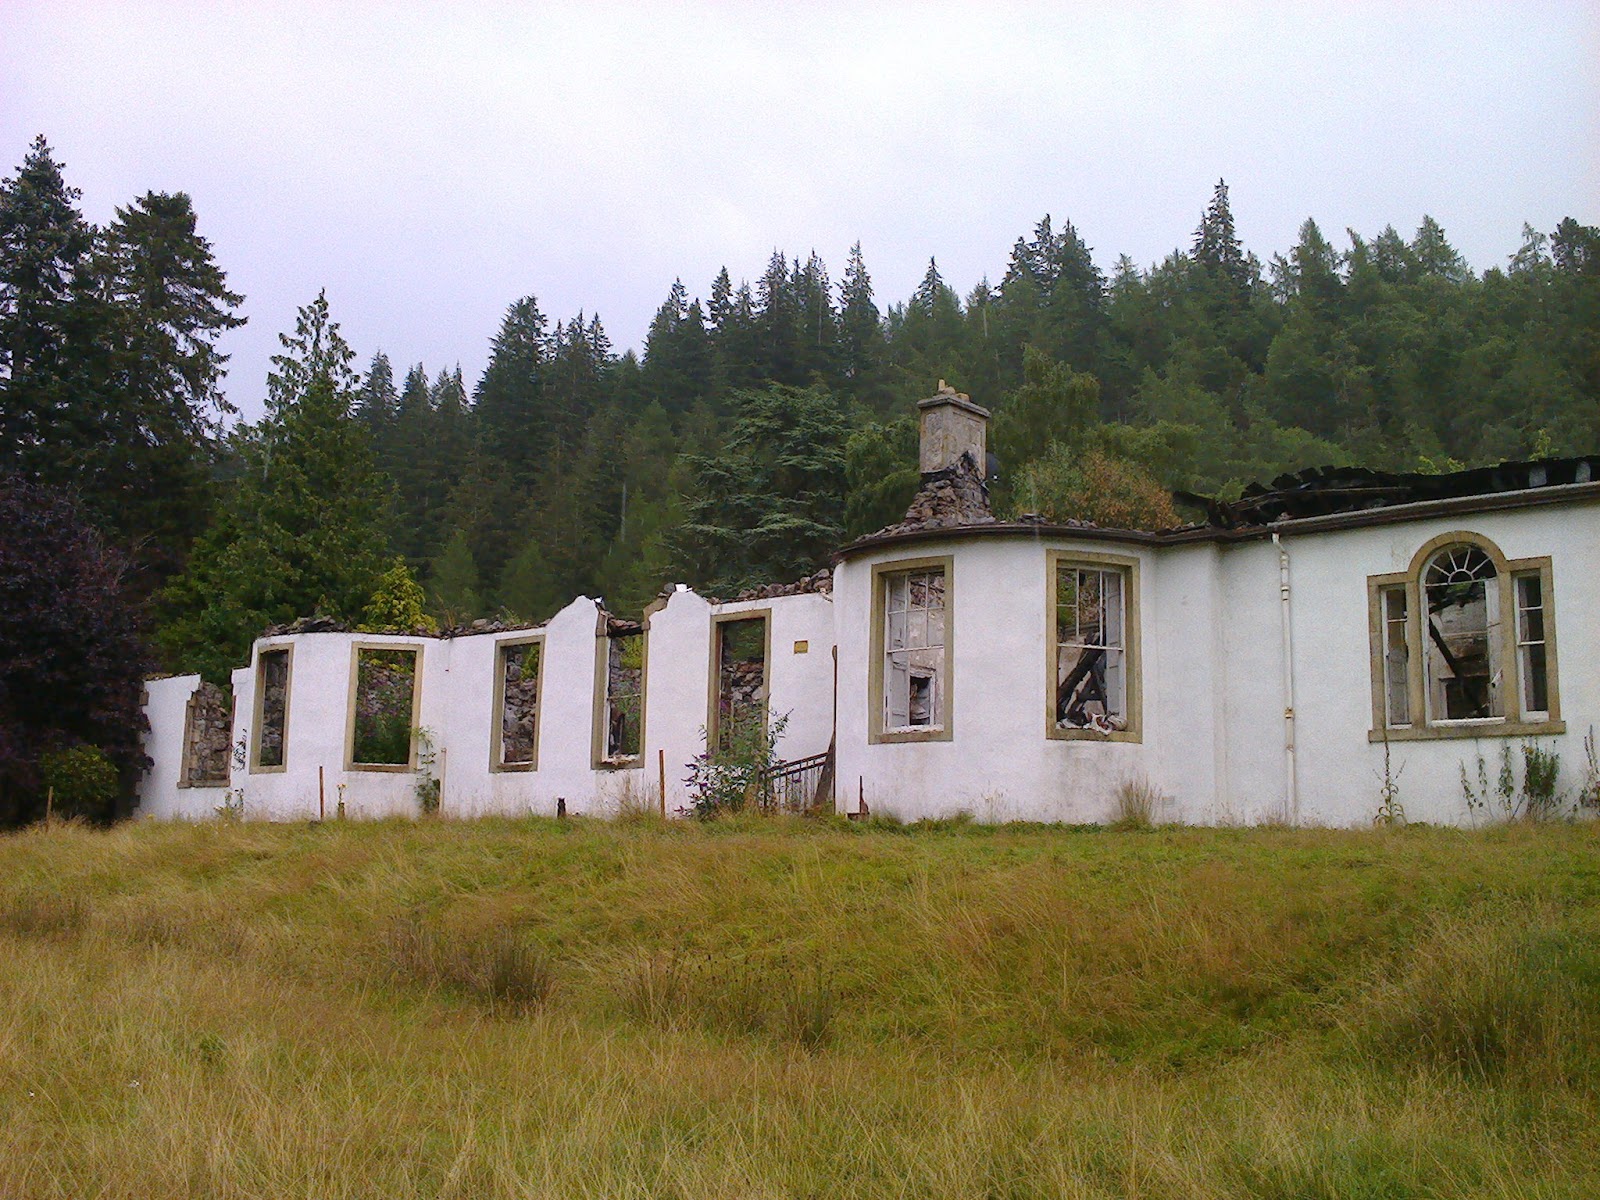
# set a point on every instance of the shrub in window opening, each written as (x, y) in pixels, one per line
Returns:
(734, 775)
(384, 683)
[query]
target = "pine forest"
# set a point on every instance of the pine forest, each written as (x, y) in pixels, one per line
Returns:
(768, 417)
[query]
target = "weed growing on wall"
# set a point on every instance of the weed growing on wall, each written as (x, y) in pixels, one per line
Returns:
(1538, 796)
(1588, 796)
(429, 785)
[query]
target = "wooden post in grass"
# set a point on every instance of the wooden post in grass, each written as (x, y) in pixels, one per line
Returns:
(661, 771)
(49, 804)
(322, 800)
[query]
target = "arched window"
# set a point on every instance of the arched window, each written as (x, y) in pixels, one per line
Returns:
(1463, 644)
(1461, 654)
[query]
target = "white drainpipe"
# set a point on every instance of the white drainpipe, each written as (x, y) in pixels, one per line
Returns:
(1291, 789)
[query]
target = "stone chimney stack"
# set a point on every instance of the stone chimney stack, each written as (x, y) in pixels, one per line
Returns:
(951, 424)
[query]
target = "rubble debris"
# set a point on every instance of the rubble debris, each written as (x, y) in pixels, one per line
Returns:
(819, 583)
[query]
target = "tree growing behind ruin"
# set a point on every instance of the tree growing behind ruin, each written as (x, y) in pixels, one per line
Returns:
(304, 529)
(110, 379)
(72, 658)
(770, 506)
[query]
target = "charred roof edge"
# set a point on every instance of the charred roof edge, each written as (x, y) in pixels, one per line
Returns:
(1567, 493)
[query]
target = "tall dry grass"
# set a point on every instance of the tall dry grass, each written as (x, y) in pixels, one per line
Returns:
(780, 1009)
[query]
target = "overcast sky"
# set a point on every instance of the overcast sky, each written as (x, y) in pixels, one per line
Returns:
(429, 165)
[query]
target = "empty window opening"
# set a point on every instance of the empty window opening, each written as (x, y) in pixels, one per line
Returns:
(1091, 650)
(624, 699)
(913, 641)
(1532, 653)
(385, 701)
(272, 701)
(1462, 613)
(208, 737)
(519, 702)
(1396, 658)
(741, 704)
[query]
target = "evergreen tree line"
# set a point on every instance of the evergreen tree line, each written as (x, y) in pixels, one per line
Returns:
(759, 427)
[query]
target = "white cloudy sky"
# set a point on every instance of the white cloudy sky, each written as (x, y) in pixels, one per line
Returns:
(428, 164)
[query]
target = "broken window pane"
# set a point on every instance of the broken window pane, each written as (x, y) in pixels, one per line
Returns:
(272, 678)
(1091, 653)
(624, 695)
(1462, 619)
(1396, 658)
(914, 633)
(1531, 650)
(208, 736)
(385, 696)
(741, 679)
(519, 702)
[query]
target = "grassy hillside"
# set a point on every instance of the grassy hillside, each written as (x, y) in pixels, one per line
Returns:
(747, 1009)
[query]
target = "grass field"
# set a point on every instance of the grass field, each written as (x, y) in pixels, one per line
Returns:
(750, 1009)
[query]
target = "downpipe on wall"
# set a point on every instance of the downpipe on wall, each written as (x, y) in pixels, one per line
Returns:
(1291, 787)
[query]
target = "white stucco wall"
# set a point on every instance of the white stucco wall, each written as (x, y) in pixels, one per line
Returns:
(457, 710)
(162, 795)
(1211, 738)
(998, 764)
(1213, 731)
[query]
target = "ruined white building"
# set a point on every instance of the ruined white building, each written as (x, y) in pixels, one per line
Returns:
(1260, 666)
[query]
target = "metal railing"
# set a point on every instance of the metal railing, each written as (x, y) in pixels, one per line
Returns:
(799, 786)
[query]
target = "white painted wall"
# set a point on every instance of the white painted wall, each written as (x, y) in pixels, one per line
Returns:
(1213, 730)
(162, 795)
(457, 710)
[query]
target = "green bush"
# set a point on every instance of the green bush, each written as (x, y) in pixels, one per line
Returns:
(83, 782)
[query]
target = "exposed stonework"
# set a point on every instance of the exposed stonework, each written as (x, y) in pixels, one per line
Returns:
(208, 737)
(948, 499)
(519, 710)
(274, 684)
(950, 425)
(820, 583)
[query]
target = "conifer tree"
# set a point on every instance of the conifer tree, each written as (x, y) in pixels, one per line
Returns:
(304, 527)
(44, 241)
(377, 402)
(509, 399)
(862, 349)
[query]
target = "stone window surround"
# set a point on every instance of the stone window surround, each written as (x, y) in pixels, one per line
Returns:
(1129, 566)
(713, 708)
(1506, 572)
(876, 733)
(497, 715)
(350, 763)
(287, 650)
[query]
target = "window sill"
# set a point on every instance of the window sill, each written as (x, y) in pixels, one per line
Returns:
(385, 768)
(942, 734)
(1092, 735)
(1468, 731)
(514, 767)
(277, 770)
(631, 763)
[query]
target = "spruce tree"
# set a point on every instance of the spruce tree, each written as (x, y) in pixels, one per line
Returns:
(862, 350)
(303, 529)
(44, 241)
(509, 399)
